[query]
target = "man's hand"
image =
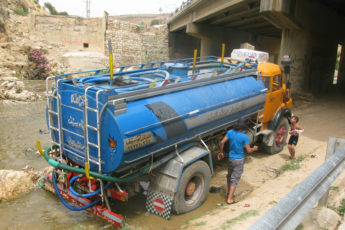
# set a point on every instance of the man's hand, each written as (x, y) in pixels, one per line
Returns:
(250, 149)
(220, 156)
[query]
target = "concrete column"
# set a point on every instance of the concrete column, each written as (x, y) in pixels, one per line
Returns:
(211, 38)
(295, 44)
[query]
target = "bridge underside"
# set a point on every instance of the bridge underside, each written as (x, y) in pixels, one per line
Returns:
(308, 31)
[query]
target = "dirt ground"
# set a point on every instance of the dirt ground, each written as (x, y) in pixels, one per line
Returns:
(263, 184)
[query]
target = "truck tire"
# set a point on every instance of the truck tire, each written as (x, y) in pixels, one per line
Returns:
(279, 136)
(193, 188)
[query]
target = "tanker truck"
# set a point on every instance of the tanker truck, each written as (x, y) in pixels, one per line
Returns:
(153, 127)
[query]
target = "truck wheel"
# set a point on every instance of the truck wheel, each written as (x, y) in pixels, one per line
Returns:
(193, 188)
(280, 135)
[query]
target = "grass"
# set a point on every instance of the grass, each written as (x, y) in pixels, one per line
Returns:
(273, 202)
(293, 165)
(300, 227)
(228, 224)
(19, 90)
(341, 208)
(334, 188)
(191, 219)
(21, 12)
(200, 224)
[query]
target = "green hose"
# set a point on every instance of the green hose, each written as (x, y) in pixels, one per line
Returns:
(56, 164)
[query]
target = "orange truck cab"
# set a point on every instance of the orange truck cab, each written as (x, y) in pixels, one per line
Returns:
(276, 114)
(277, 107)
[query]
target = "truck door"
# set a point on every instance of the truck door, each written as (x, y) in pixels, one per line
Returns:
(274, 96)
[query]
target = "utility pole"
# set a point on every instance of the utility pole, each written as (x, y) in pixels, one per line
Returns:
(88, 8)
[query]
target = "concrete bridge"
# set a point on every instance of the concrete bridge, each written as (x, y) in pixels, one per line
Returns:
(309, 31)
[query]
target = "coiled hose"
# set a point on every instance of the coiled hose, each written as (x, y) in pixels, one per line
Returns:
(68, 205)
(83, 195)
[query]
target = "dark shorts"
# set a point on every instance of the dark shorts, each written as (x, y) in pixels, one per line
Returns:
(235, 171)
(293, 140)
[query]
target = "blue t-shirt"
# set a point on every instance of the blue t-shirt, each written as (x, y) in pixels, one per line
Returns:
(237, 141)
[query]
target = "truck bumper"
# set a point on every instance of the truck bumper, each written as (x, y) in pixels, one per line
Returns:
(98, 210)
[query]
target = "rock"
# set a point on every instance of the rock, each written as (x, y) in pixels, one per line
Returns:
(14, 90)
(321, 218)
(342, 227)
(14, 183)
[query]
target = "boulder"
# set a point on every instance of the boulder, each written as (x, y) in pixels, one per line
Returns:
(14, 183)
(13, 90)
(321, 218)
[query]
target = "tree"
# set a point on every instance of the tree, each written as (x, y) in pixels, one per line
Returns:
(52, 9)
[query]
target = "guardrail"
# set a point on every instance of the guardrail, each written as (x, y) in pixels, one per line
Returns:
(289, 212)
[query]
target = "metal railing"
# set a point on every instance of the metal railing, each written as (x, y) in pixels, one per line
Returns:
(289, 212)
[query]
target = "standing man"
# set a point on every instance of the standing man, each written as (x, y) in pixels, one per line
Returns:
(238, 140)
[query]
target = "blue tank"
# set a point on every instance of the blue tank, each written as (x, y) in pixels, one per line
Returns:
(145, 113)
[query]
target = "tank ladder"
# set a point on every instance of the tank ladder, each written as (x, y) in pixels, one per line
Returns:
(88, 143)
(57, 141)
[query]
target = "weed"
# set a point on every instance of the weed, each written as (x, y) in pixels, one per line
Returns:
(341, 208)
(228, 224)
(19, 90)
(191, 219)
(293, 165)
(334, 188)
(300, 227)
(21, 12)
(332, 207)
(273, 202)
(200, 223)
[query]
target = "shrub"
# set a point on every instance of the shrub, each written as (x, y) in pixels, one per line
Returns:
(156, 22)
(38, 66)
(22, 12)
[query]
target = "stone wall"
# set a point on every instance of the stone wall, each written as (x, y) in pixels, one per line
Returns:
(73, 33)
(126, 42)
(132, 44)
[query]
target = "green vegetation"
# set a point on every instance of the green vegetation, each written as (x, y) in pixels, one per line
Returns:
(52, 9)
(20, 11)
(19, 90)
(341, 208)
(228, 224)
(273, 202)
(156, 22)
(191, 219)
(293, 165)
(38, 65)
(300, 227)
(200, 223)
(334, 188)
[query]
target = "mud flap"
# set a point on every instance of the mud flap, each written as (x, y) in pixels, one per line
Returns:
(159, 204)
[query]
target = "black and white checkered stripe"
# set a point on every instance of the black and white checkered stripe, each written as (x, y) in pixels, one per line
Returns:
(166, 213)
